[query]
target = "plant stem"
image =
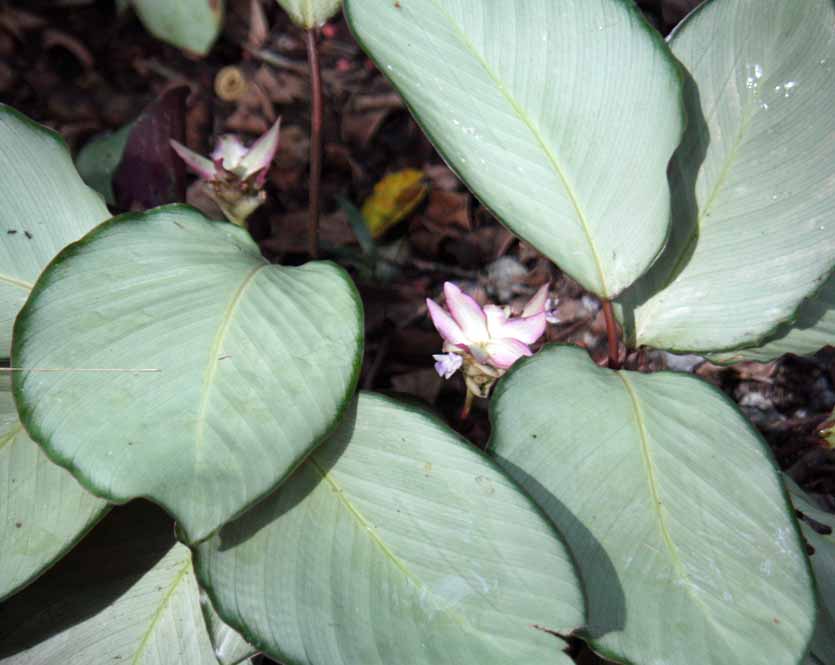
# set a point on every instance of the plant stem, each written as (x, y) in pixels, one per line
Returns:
(468, 404)
(315, 140)
(612, 334)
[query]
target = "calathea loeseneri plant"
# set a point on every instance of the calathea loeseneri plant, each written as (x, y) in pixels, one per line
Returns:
(158, 355)
(562, 118)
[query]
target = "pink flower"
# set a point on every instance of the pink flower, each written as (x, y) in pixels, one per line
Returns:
(235, 175)
(233, 157)
(488, 337)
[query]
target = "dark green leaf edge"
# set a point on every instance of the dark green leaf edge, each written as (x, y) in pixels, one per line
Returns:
(43, 282)
(416, 407)
(553, 348)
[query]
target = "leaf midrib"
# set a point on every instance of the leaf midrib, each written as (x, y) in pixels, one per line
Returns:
(214, 354)
(649, 466)
(369, 528)
(155, 619)
(14, 281)
(9, 436)
(523, 116)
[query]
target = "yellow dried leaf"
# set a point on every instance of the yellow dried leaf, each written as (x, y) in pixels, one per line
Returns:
(394, 198)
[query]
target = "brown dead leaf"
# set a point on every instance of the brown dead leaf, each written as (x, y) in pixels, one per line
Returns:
(244, 120)
(289, 232)
(441, 177)
(281, 87)
(449, 208)
(359, 128)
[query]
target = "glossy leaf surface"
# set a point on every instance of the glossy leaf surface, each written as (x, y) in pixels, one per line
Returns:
(45, 206)
(752, 183)
(251, 363)
(43, 509)
(561, 117)
(192, 25)
(671, 504)
(395, 542)
(309, 14)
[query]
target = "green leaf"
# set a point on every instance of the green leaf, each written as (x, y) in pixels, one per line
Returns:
(754, 232)
(560, 116)
(253, 363)
(823, 565)
(187, 24)
(395, 542)
(230, 648)
(43, 510)
(128, 598)
(45, 206)
(309, 14)
(99, 158)
(812, 329)
(671, 504)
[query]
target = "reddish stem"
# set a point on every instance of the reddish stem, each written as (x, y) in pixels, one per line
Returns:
(315, 140)
(468, 404)
(612, 334)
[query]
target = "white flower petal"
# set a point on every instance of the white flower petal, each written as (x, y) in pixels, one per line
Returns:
(445, 325)
(260, 155)
(467, 313)
(504, 352)
(202, 166)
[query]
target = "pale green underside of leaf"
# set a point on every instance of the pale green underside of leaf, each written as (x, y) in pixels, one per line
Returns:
(812, 329)
(229, 646)
(561, 117)
(43, 510)
(823, 565)
(309, 14)
(45, 206)
(671, 504)
(255, 361)
(753, 188)
(187, 24)
(155, 620)
(395, 542)
(99, 158)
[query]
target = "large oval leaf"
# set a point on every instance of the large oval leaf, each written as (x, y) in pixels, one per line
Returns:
(811, 330)
(125, 595)
(253, 363)
(188, 24)
(560, 116)
(309, 14)
(45, 206)
(753, 232)
(671, 504)
(43, 510)
(395, 542)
